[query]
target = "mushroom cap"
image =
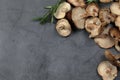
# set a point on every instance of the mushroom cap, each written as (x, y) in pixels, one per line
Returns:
(77, 17)
(105, 16)
(113, 58)
(110, 56)
(92, 9)
(77, 3)
(104, 41)
(105, 1)
(63, 28)
(62, 10)
(117, 22)
(115, 8)
(93, 26)
(115, 34)
(107, 70)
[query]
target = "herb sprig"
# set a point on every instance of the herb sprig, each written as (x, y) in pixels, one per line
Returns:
(49, 16)
(90, 1)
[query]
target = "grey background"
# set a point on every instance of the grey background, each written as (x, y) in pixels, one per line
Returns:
(30, 51)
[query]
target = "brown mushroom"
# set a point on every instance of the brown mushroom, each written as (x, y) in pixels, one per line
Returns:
(93, 26)
(92, 9)
(77, 3)
(104, 41)
(62, 10)
(106, 17)
(115, 34)
(115, 8)
(107, 71)
(117, 22)
(113, 58)
(105, 1)
(63, 27)
(78, 17)
(110, 56)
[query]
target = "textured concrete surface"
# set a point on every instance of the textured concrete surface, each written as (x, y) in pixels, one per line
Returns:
(30, 51)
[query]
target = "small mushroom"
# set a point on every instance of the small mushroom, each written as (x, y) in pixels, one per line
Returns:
(93, 26)
(107, 71)
(63, 27)
(115, 8)
(78, 17)
(104, 41)
(92, 9)
(62, 10)
(113, 58)
(117, 22)
(115, 34)
(110, 56)
(105, 1)
(106, 17)
(77, 3)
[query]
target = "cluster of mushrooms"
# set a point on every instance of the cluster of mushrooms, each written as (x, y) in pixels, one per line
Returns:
(103, 24)
(92, 18)
(108, 69)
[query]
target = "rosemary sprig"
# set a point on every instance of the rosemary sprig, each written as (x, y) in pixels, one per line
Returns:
(90, 1)
(49, 16)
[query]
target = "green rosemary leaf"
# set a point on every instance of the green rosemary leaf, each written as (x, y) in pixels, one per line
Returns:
(49, 16)
(37, 19)
(48, 7)
(90, 1)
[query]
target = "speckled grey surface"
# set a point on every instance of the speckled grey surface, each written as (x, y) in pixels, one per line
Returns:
(30, 51)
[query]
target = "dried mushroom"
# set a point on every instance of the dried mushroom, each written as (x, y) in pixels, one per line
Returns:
(78, 17)
(115, 8)
(104, 41)
(63, 27)
(105, 16)
(92, 9)
(113, 58)
(107, 71)
(62, 10)
(117, 22)
(77, 3)
(115, 34)
(93, 26)
(105, 1)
